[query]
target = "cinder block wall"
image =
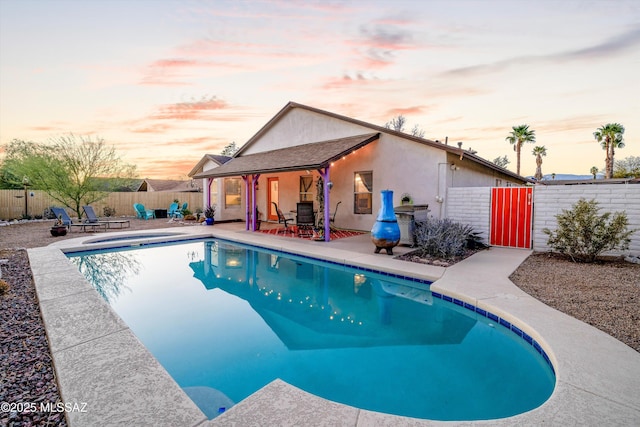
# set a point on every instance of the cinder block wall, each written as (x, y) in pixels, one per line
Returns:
(470, 205)
(551, 200)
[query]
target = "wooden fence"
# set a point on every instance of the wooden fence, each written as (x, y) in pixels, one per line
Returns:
(12, 202)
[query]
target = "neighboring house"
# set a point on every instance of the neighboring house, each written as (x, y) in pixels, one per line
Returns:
(283, 161)
(169, 185)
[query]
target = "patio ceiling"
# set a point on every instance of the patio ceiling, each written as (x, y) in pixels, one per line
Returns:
(315, 155)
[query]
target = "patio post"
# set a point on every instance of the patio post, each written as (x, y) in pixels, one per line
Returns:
(254, 184)
(209, 182)
(324, 173)
(245, 178)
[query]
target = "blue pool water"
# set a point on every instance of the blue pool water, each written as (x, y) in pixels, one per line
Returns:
(225, 320)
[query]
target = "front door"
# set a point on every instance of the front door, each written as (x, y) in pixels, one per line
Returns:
(272, 197)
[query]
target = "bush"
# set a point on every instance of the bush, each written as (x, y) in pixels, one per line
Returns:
(109, 211)
(583, 234)
(445, 238)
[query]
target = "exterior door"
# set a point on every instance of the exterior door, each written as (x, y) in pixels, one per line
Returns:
(511, 217)
(272, 197)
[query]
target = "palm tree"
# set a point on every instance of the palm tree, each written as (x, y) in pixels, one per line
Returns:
(539, 151)
(519, 135)
(610, 137)
(594, 171)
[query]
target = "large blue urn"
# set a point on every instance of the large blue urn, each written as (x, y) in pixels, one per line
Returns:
(385, 233)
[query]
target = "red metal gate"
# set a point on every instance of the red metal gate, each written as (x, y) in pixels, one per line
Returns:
(511, 216)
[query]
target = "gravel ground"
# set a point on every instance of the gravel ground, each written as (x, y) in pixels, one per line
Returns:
(605, 295)
(26, 371)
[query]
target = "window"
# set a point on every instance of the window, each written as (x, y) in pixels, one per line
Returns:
(232, 192)
(362, 192)
(306, 195)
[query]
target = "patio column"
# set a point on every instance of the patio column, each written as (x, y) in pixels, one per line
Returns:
(254, 216)
(324, 173)
(209, 182)
(245, 178)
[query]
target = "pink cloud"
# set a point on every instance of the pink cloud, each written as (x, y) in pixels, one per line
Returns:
(407, 111)
(192, 110)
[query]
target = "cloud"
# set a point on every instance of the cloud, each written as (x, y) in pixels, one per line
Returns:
(171, 168)
(418, 109)
(612, 47)
(347, 81)
(191, 110)
(378, 45)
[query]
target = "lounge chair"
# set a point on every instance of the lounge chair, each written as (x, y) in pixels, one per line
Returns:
(305, 218)
(66, 219)
(92, 218)
(143, 213)
(282, 219)
(174, 212)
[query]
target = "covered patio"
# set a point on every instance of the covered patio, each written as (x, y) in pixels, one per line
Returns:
(317, 156)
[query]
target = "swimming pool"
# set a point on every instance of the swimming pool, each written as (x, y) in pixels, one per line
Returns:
(227, 319)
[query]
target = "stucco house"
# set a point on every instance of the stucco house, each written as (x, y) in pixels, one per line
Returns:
(285, 159)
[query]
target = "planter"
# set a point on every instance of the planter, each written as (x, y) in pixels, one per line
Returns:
(385, 233)
(209, 221)
(58, 230)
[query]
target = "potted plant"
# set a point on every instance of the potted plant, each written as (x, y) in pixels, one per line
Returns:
(406, 199)
(58, 229)
(209, 213)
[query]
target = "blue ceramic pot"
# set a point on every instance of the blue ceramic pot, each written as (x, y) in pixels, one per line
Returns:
(209, 221)
(385, 233)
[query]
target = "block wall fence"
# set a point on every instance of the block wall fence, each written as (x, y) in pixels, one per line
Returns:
(471, 205)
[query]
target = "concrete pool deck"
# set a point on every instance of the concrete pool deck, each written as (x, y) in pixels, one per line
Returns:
(99, 361)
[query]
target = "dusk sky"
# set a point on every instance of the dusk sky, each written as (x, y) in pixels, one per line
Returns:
(166, 82)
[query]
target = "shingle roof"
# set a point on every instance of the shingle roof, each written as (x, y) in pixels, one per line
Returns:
(166, 185)
(217, 158)
(300, 157)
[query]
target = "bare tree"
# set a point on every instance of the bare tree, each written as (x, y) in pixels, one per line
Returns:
(501, 161)
(398, 124)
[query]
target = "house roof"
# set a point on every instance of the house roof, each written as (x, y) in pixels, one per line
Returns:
(436, 144)
(216, 158)
(315, 155)
(167, 185)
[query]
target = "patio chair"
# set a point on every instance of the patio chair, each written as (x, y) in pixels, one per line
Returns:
(143, 213)
(174, 212)
(332, 219)
(305, 218)
(282, 219)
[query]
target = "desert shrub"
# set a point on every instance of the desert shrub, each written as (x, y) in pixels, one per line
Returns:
(583, 233)
(4, 287)
(109, 211)
(445, 238)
